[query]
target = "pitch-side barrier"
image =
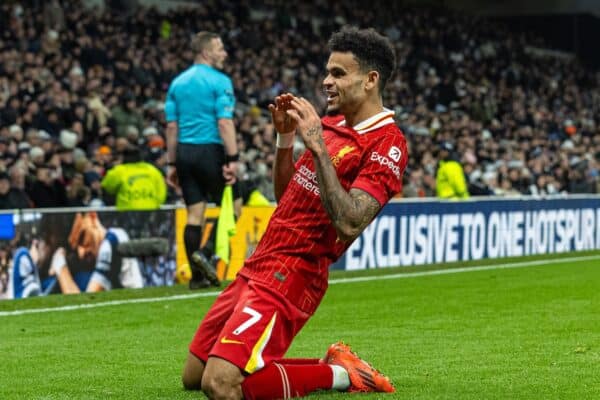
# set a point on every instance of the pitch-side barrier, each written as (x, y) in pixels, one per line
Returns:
(407, 232)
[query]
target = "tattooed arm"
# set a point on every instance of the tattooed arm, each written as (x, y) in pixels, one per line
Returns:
(350, 212)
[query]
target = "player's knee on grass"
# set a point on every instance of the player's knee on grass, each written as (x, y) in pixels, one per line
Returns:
(222, 380)
(191, 378)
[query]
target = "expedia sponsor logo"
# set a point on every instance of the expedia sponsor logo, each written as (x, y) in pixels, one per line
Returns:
(386, 162)
(395, 153)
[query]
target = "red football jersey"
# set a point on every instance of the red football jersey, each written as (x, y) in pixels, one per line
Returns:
(300, 242)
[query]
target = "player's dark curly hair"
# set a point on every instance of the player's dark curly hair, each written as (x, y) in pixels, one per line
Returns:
(373, 51)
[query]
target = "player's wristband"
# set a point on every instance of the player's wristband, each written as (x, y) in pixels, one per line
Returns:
(235, 157)
(171, 164)
(285, 140)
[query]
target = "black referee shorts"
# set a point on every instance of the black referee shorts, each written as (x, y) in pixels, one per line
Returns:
(200, 173)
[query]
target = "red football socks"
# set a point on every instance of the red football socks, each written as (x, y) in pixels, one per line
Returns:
(286, 379)
(297, 361)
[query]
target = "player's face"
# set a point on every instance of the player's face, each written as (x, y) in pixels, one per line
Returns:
(216, 53)
(344, 84)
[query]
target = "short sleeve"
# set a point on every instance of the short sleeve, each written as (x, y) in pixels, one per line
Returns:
(225, 104)
(382, 168)
(170, 106)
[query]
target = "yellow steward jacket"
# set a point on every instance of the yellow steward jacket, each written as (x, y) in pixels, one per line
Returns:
(137, 186)
(450, 181)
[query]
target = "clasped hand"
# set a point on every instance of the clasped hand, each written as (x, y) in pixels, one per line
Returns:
(291, 113)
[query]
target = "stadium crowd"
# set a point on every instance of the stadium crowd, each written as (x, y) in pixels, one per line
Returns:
(78, 86)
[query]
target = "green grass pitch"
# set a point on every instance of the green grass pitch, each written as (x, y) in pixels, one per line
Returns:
(500, 333)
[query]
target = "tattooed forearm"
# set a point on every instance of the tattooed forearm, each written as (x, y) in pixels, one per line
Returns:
(350, 212)
(314, 131)
(365, 207)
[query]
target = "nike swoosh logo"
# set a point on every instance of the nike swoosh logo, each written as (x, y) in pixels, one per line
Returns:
(224, 340)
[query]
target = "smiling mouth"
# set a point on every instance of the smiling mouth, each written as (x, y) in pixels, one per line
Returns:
(331, 97)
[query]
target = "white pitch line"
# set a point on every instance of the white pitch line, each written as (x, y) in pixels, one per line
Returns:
(331, 282)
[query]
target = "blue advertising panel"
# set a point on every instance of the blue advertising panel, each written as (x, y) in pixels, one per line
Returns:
(7, 227)
(417, 233)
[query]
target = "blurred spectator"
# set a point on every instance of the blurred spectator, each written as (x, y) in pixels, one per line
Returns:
(77, 195)
(132, 134)
(478, 186)
(64, 157)
(54, 16)
(126, 115)
(37, 155)
(149, 133)
(104, 156)
(578, 181)
(414, 187)
(97, 120)
(92, 180)
(16, 132)
(11, 198)
(47, 191)
(18, 176)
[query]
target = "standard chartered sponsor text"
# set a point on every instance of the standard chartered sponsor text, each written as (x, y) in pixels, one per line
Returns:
(307, 179)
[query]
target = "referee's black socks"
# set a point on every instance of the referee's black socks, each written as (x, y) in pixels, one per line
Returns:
(192, 235)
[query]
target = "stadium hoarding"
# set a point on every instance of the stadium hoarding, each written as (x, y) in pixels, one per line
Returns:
(405, 233)
(88, 240)
(250, 227)
(409, 233)
(75, 228)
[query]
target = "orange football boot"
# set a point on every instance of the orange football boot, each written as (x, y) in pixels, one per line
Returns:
(363, 377)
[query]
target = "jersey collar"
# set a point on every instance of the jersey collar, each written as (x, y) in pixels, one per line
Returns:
(376, 121)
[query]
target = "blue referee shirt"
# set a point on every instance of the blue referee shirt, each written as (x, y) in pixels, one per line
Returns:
(196, 99)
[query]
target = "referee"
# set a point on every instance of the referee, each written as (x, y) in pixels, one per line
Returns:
(201, 143)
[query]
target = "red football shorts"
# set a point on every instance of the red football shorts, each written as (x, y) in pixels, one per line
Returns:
(248, 325)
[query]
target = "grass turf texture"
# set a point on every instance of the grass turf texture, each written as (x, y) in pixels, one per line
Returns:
(522, 333)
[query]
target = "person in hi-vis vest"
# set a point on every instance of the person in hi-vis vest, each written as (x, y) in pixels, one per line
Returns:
(450, 177)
